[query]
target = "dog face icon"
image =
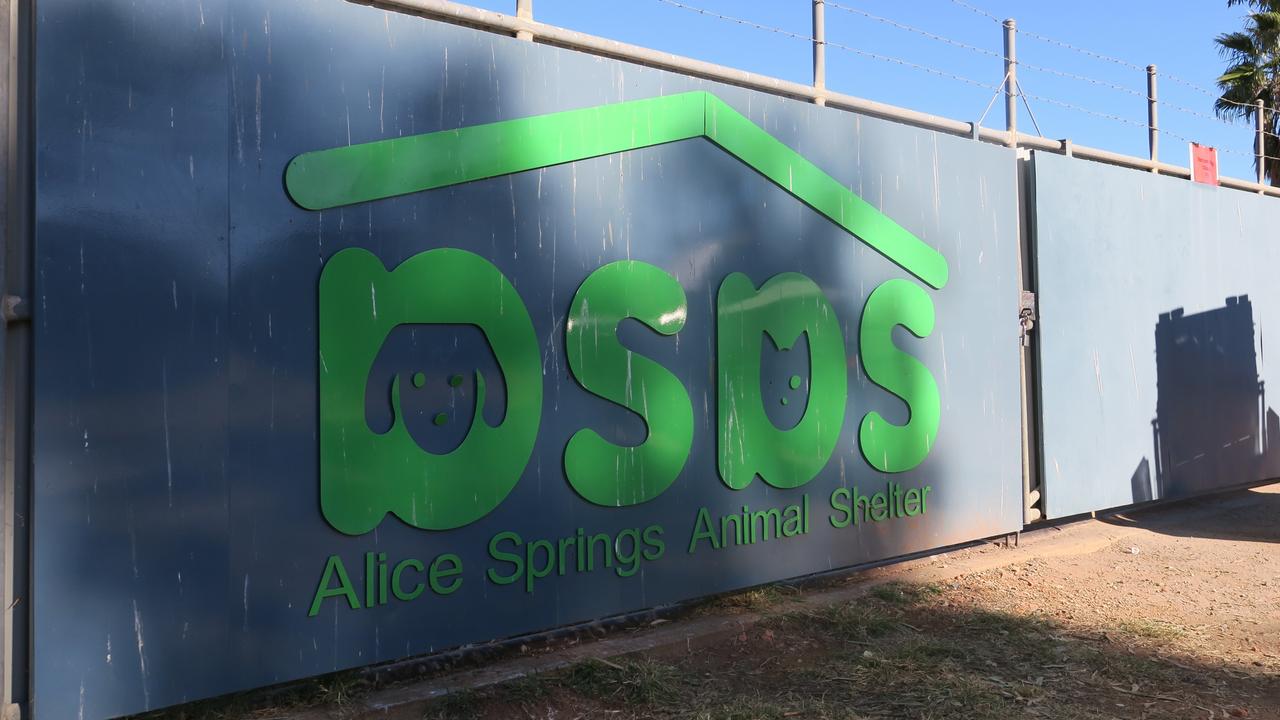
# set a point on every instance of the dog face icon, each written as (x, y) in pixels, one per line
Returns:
(439, 461)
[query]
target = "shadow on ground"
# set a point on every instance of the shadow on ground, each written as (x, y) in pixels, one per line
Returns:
(904, 651)
(1250, 515)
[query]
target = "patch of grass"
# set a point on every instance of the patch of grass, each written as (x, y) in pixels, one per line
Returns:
(742, 709)
(1152, 629)
(927, 652)
(753, 600)
(337, 691)
(631, 682)
(526, 689)
(463, 703)
(849, 621)
(896, 593)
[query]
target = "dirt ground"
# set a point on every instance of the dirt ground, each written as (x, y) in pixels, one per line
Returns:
(1168, 613)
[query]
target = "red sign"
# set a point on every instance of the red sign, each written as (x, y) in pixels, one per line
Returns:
(1204, 164)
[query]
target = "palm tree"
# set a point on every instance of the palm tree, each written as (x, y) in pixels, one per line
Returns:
(1252, 74)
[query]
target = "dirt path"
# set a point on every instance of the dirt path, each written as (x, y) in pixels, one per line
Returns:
(1168, 613)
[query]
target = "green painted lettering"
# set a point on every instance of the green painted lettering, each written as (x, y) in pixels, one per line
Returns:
(333, 566)
(502, 556)
(445, 575)
(785, 307)
(888, 447)
(600, 471)
(397, 589)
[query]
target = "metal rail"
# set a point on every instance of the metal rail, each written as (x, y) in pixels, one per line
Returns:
(526, 27)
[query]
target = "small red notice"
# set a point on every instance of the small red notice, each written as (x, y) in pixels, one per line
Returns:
(1204, 164)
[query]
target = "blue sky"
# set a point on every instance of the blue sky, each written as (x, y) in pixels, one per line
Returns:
(1177, 37)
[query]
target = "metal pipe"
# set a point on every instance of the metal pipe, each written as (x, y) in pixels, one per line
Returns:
(1260, 110)
(458, 14)
(1153, 127)
(1011, 81)
(524, 10)
(819, 51)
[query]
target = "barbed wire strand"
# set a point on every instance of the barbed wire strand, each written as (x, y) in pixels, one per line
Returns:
(977, 11)
(1224, 150)
(916, 30)
(970, 81)
(1083, 78)
(983, 51)
(828, 43)
(1085, 110)
(1206, 116)
(1100, 56)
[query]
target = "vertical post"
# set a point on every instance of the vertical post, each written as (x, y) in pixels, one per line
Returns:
(524, 10)
(1260, 111)
(819, 51)
(1153, 127)
(1011, 81)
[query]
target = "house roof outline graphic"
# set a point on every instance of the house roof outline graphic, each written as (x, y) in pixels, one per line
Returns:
(382, 169)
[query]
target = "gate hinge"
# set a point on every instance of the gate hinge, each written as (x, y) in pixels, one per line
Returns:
(15, 309)
(1026, 317)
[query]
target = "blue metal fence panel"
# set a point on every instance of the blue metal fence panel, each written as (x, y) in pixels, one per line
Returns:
(1155, 297)
(179, 538)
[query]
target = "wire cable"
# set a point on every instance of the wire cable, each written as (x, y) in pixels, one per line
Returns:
(1082, 78)
(1224, 150)
(1208, 92)
(983, 51)
(1206, 116)
(828, 43)
(916, 30)
(977, 11)
(1085, 110)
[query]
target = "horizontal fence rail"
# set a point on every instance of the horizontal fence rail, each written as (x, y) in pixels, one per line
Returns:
(523, 25)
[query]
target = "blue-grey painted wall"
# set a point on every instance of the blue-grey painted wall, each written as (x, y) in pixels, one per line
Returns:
(1154, 365)
(177, 529)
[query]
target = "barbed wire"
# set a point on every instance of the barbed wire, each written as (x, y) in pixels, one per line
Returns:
(989, 53)
(916, 30)
(1083, 78)
(1206, 116)
(977, 11)
(1123, 63)
(828, 43)
(983, 51)
(1224, 150)
(1209, 92)
(1085, 110)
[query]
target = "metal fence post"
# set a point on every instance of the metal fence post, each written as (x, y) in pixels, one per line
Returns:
(1011, 81)
(1153, 127)
(1259, 144)
(524, 10)
(819, 51)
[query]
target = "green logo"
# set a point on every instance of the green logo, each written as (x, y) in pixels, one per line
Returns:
(784, 308)
(365, 475)
(604, 473)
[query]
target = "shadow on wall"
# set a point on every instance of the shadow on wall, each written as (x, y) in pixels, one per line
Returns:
(1212, 428)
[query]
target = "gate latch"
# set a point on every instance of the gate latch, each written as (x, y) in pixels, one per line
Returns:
(1026, 317)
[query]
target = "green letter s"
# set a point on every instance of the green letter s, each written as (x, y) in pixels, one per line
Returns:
(600, 471)
(888, 447)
